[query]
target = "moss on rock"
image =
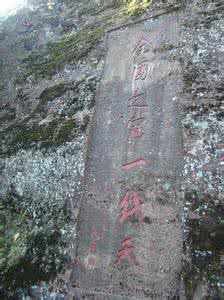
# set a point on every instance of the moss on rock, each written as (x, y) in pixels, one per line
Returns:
(76, 46)
(24, 136)
(69, 49)
(65, 131)
(50, 94)
(46, 134)
(135, 7)
(27, 249)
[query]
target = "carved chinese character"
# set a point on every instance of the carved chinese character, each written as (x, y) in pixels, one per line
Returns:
(94, 240)
(135, 127)
(136, 113)
(91, 262)
(130, 205)
(96, 237)
(136, 109)
(141, 47)
(126, 252)
(140, 71)
(135, 132)
(137, 100)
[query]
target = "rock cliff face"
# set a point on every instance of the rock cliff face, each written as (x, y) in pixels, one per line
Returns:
(203, 142)
(51, 61)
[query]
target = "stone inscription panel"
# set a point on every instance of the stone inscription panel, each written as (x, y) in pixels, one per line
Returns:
(130, 240)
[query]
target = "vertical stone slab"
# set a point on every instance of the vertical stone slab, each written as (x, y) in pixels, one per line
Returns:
(130, 237)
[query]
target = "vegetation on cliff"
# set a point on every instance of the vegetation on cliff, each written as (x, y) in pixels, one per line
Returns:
(58, 62)
(76, 46)
(31, 245)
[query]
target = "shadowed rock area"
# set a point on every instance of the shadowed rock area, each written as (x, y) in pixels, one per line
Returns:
(145, 219)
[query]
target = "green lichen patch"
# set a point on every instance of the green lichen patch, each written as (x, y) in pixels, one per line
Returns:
(55, 133)
(69, 49)
(45, 134)
(13, 235)
(50, 94)
(135, 7)
(62, 113)
(64, 133)
(33, 250)
(26, 135)
(75, 47)
(74, 97)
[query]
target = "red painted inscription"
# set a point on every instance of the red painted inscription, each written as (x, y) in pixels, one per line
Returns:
(130, 205)
(136, 109)
(141, 71)
(141, 47)
(134, 163)
(126, 252)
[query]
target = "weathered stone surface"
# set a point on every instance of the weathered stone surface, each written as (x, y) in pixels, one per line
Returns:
(46, 100)
(130, 238)
(202, 123)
